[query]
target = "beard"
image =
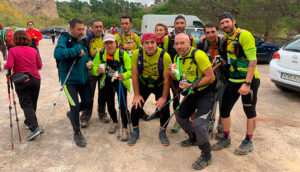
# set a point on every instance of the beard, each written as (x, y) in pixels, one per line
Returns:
(229, 30)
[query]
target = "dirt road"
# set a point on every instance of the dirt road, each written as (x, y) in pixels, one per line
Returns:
(276, 139)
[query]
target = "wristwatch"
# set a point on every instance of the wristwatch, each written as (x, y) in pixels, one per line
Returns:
(247, 83)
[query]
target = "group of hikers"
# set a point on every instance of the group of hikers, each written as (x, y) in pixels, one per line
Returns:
(215, 69)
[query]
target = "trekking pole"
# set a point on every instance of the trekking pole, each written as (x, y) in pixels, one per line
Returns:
(168, 102)
(121, 94)
(192, 86)
(126, 110)
(10, 109)
(61, 89)
(15, 106)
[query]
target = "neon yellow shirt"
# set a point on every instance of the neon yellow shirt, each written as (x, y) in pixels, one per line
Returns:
(247, 41)
(96, 44)
(150, 63)
(191, 70)
(128, 39)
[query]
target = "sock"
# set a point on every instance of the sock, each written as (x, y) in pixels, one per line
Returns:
(226, 134)
(136, 130)
(248, 138)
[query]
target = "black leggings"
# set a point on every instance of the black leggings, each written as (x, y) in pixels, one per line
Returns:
(231, 95)
(72, 91)
(110, 89)
(145, 93)
(28, 93)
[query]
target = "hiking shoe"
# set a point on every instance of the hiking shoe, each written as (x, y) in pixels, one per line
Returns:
(79, 140)
(84, 124)
(188, 142)
(113, 128)
(175, 128)
(203, 161)
(219, 135)
(163, 138)
(221, 144)
(103, 118)
(133, 137)
(244, 148)
(124, 136)
(34, 134)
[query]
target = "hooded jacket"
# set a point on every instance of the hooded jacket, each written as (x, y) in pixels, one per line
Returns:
(67, 50)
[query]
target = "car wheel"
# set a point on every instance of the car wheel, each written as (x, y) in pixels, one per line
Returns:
(282, 88)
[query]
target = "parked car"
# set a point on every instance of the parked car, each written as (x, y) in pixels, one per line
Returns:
(58, 30)
(264, 51)
(284, 68)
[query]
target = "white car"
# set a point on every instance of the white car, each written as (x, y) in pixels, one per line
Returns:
(284, 68)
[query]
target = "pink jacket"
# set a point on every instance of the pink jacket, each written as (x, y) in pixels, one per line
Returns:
(24, 59)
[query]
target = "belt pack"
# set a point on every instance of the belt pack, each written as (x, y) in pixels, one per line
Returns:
(20, 77)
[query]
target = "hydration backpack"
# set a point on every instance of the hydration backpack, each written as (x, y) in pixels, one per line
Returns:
(8, 36)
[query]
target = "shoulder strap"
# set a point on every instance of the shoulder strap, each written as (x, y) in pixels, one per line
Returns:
(205, 48)
(101, 55)
(121, 54)
(120, 35)
(133, 37)
(193, 56)
(140, 61)
(161, 63)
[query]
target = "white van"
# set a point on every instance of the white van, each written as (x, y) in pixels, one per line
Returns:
(150, 20)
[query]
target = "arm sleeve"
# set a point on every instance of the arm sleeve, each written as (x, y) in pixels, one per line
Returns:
(134, 58)
(202, 60)
(138, 41)
(62, 52)
(39, 35)
(167, 61)
(127, 64)
(194, 43)
(248, 43)
(166, 42)
(96, 64)
(38, 61)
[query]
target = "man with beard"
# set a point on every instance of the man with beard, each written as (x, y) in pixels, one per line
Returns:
(179, 27)
(95, 44)
(71, 49)
(212, 45)
(243, 81)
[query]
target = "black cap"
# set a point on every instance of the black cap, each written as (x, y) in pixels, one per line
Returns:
(225, 15)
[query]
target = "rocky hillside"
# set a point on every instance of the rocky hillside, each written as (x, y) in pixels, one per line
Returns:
(36, 7)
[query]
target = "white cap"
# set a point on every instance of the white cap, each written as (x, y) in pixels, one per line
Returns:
(109, 37)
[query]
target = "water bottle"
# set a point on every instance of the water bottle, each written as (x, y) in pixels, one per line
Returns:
(184, 79)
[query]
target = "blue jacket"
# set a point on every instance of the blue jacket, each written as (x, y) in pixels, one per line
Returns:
(66, 51)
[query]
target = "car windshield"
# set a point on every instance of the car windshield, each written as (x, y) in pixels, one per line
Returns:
(293, 46)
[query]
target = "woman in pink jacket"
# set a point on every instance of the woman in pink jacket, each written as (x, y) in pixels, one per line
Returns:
(26, 60)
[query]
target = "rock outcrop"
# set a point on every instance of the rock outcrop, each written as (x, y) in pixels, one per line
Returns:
(36, 7)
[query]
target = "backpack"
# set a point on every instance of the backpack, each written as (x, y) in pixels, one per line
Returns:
(114, 31)
(140, 65)
(171, 48)
(237, 48)
(216, 85)
(121, 54)
(132, 35)
(8, 36)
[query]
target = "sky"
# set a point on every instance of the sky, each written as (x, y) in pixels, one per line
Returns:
(148, 2)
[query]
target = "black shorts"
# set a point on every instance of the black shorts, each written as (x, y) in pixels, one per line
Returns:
(231, 95)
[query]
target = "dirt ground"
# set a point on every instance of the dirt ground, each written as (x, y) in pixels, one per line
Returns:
(276, 139)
